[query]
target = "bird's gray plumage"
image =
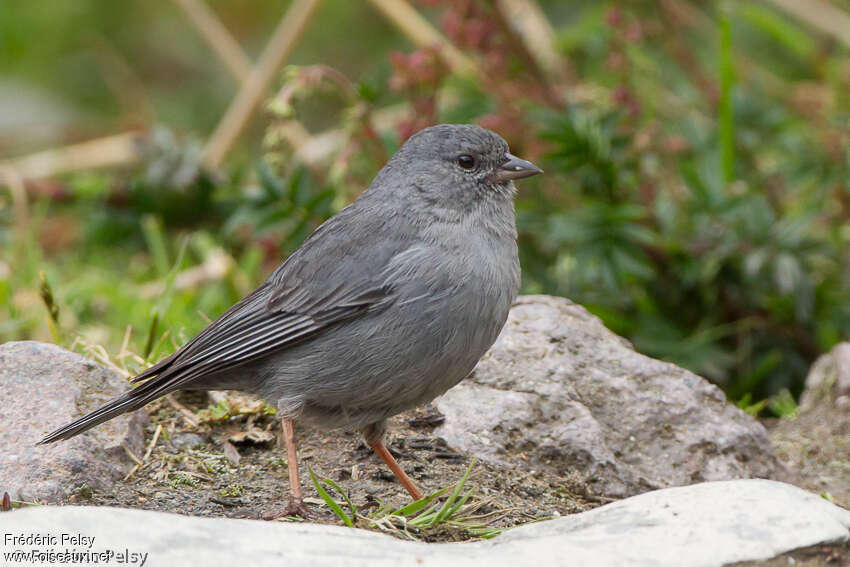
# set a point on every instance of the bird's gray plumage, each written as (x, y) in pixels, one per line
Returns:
(384, 307)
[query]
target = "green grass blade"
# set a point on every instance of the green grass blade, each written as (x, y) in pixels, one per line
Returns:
(332, 504)
(484, 532)
(425, 519)
(151, 335)
(727, 82)
(459, 504)
(444, 512)
(154, 349)
(161, 306)
(339, 489)
(23, 503)
(47, 297)
(154, 234)
(420, 504)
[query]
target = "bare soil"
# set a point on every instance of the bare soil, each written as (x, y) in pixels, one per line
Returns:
(201, 480)
(837, 555)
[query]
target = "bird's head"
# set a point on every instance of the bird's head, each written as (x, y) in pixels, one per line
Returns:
(455, 166)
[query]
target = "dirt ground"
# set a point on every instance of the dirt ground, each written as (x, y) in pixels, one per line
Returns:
(816, 556)
(207, 479)
(236, 467)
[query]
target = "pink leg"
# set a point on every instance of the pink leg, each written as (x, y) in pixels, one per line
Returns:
(296, 502)
(387, 457)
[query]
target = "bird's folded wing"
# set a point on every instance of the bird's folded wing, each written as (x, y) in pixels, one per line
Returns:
(337, 274)
(269, 319)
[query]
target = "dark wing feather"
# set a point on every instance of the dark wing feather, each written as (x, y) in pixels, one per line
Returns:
(332, 277)
(269, 319)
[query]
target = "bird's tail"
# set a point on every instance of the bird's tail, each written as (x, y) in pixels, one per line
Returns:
(132, 400)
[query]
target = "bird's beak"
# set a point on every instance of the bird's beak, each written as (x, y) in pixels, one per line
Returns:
(514, 168)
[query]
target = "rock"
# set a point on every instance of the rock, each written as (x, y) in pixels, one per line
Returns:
(185, 440)
(705, 525)
(43, 387)
(813, 445)
(559, 391)
(829, 380)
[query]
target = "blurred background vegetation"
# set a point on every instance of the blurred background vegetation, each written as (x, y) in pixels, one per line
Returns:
(697, 157)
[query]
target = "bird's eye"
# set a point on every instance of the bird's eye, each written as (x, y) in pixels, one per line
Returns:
(466, 161)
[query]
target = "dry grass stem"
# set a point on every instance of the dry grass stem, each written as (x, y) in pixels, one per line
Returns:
(531, 23)
(282, 43)
(184, 411)
(132, 455)
(420, 31)
(218, 38)
(119, 149)
(152, 444)
(216, 266)
(821, 15)
(520, 46)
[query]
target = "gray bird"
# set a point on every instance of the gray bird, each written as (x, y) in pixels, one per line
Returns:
(384, 307)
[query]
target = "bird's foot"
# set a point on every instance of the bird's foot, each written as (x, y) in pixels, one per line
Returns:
(296, 509)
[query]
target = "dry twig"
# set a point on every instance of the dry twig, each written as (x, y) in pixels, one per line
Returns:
(184, 411)
(218, 38)
(281, 44)
(152, 444)
(531, 23)
(819, 14)
(132, 455)
(411, 23)
(519, 44)
(234, 58)
(119, 149)
(215, 267)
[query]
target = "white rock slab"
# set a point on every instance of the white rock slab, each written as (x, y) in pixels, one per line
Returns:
(707, 524)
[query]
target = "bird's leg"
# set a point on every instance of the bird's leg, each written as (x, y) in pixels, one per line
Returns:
(374, 438)
(296, 502)
(390, 461)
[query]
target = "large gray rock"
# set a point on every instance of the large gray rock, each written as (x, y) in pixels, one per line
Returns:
(703, 525)
(828, 380)
(812, 445)
(43, 387)
(561, 392)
